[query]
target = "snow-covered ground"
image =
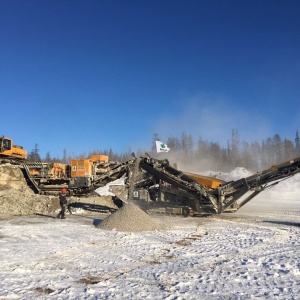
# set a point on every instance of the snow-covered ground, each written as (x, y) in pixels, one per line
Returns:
(251, 254)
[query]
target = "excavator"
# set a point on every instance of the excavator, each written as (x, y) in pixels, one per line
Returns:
(11, 153)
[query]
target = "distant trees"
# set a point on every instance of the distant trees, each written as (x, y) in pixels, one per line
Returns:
(297, 145)
(48, 157)
(235, 151)
(65, 157)
(206, 155)
(34, 155)
(203, 155)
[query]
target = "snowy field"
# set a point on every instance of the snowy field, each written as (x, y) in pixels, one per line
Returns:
(251, 254)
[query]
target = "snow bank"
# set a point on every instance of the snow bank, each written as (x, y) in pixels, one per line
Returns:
(236, 174)
(105, 190)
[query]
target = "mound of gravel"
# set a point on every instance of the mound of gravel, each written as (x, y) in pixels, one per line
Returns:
(11, 177)
(129, 218)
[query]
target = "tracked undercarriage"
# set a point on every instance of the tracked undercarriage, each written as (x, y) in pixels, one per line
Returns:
(12, 161)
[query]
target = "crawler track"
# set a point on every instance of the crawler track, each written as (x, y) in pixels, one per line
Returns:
(4, 160)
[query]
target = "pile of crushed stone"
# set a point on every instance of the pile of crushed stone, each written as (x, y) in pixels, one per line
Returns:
(11, 177)
(129, 218)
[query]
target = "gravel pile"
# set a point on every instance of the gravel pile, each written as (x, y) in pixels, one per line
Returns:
(16, 198)
(11, 177)
(129, 218)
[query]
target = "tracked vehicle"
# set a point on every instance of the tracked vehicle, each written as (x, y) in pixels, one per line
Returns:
(158, 187)
(11, 153)
(79, 177)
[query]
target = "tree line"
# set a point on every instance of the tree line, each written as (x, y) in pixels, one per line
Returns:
(254, 156)
(202, 155)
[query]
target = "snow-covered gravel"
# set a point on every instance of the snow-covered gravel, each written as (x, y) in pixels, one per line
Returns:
(232, 256)
(251, 254)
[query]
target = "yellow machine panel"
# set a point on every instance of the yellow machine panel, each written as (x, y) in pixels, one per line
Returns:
(47, 170)
(81, 167)
(207, 182)
(101, 163)
(99, 158)
(58, 170)
(8, 149)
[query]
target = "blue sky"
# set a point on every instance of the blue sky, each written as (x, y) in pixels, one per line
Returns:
(86, 75)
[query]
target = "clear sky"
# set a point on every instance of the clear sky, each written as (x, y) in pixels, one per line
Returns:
(82, 75)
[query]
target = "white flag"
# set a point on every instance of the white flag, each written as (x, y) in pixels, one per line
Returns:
(161, 147)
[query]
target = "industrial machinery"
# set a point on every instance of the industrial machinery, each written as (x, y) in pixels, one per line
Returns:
(153, 184)
(78, 177)
(10, 152)
(157, 187)
(49, 178)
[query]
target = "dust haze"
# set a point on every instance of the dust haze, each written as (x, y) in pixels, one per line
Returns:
(213, 119)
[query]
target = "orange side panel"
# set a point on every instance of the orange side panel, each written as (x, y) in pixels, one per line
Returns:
(207, 182)
(34, 172)
(58, 170)
(11, 150)
(15, 152)
(99, 157)
(81, 167)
